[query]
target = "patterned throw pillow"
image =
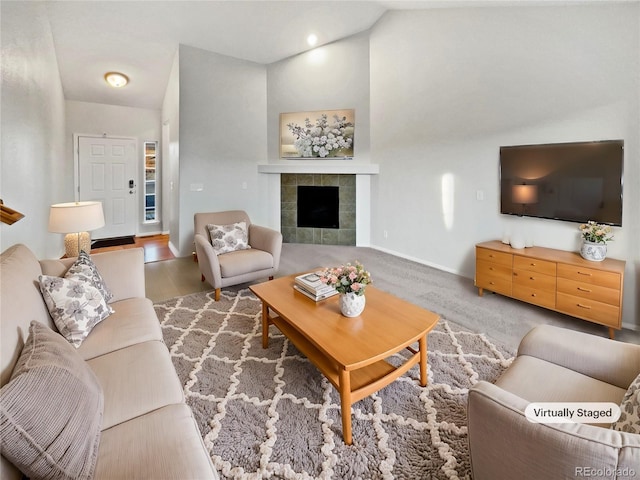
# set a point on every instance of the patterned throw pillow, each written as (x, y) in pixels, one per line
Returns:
(51, 410)
(85, 269)
(76, 306)
(629, 420)
(229, 238)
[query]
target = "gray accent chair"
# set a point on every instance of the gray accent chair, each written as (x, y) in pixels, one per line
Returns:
(554, 365)
(258, 262)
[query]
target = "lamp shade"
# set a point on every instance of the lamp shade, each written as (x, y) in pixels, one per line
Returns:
(75, 217)
(525, 194)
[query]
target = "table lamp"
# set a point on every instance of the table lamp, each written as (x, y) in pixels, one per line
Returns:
(76, 219)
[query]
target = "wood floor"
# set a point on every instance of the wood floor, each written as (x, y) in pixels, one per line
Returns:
(156, 247)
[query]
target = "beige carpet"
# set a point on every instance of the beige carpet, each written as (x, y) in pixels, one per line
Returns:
(268, 413)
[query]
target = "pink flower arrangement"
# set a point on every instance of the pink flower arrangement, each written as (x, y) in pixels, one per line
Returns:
(595, 232)
(347, 278)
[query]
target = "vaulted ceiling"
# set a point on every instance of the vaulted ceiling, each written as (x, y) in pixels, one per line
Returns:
(140, 38)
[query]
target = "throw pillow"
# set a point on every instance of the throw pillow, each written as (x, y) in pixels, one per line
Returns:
(229, 238)
(76, 306)
(84, 268)
(51, 410)
(629, 420)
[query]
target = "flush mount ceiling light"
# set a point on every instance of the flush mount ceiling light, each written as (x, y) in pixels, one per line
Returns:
(312, 39)
(116, 79)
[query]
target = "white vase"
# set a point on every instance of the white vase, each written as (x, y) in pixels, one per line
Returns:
(517, 241)
(596, 252)
(351, 305)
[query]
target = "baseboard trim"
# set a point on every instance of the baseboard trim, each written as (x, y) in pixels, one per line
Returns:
(419, 260)
(174, 250)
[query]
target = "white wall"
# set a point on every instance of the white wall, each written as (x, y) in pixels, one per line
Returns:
(35, 171)
(223, 135)
(171, 152)
(115, 121)
(332, 77)
(450, 86)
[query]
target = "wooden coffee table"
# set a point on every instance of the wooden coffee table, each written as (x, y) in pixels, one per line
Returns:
(350, 352)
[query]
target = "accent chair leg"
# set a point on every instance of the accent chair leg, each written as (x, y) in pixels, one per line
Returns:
(201, 278)
(216, 297)
(271, 277)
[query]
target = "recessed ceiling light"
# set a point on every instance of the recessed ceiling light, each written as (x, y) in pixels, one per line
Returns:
(312, 39)
(116, 79)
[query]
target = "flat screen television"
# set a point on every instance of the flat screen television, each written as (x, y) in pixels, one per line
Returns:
(575, 182)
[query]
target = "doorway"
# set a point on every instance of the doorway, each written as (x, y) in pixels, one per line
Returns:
(107, 172)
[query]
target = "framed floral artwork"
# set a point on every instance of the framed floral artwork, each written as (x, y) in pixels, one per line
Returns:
(323, 134)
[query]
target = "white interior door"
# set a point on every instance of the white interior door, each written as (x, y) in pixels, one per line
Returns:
(107, 172)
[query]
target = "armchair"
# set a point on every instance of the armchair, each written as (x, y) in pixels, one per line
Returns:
(221, 270)
(554, 365)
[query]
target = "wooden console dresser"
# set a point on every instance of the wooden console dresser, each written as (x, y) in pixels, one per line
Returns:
(555, 279)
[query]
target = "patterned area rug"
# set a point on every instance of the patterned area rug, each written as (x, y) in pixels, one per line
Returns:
(269, 413)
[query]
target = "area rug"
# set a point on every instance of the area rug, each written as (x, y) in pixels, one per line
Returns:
(269, 413)
(113, 242)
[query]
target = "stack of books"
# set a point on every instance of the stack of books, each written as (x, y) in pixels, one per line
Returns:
(310, 285)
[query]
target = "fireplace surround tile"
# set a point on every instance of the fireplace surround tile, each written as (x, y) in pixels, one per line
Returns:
(291, 233)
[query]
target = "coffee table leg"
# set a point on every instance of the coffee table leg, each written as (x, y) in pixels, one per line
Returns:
(423, 360)
(345, 405)
(265, 325)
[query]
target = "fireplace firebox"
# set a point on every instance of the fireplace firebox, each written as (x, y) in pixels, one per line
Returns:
(318, 206)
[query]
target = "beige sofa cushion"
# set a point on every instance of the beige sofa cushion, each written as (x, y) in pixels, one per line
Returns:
(51, 410)
(20, 302)
(241, 262)
(133, 321)
(537, 380)
(122, 270)
(136, 380)
(172, 448)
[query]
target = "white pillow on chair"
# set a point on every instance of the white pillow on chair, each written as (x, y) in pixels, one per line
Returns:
(229, 238)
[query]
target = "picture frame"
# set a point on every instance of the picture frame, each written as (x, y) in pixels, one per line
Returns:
(319, 135)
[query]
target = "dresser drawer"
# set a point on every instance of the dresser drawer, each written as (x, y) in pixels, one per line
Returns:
(589, 291)
(534, 265)
(495, 278)
(559, 280)
(500, 258)
(598, 312)
(534, 280)
(589, 275)
(544, 298)
(488, 269)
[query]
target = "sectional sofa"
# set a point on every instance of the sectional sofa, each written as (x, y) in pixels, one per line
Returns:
(116, 397)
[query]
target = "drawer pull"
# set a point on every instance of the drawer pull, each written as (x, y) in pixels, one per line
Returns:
(491, 268)
(531, 278)
(584, 273)
(533, 295)
(532, 264)
(491, 283)
(584, 289)
(490, 255)
(584, 306)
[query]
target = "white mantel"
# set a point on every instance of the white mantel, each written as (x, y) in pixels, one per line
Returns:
(320, 166)
(362, 171)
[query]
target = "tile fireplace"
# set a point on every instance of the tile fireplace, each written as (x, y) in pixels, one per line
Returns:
(354, 200)
(310, 218)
